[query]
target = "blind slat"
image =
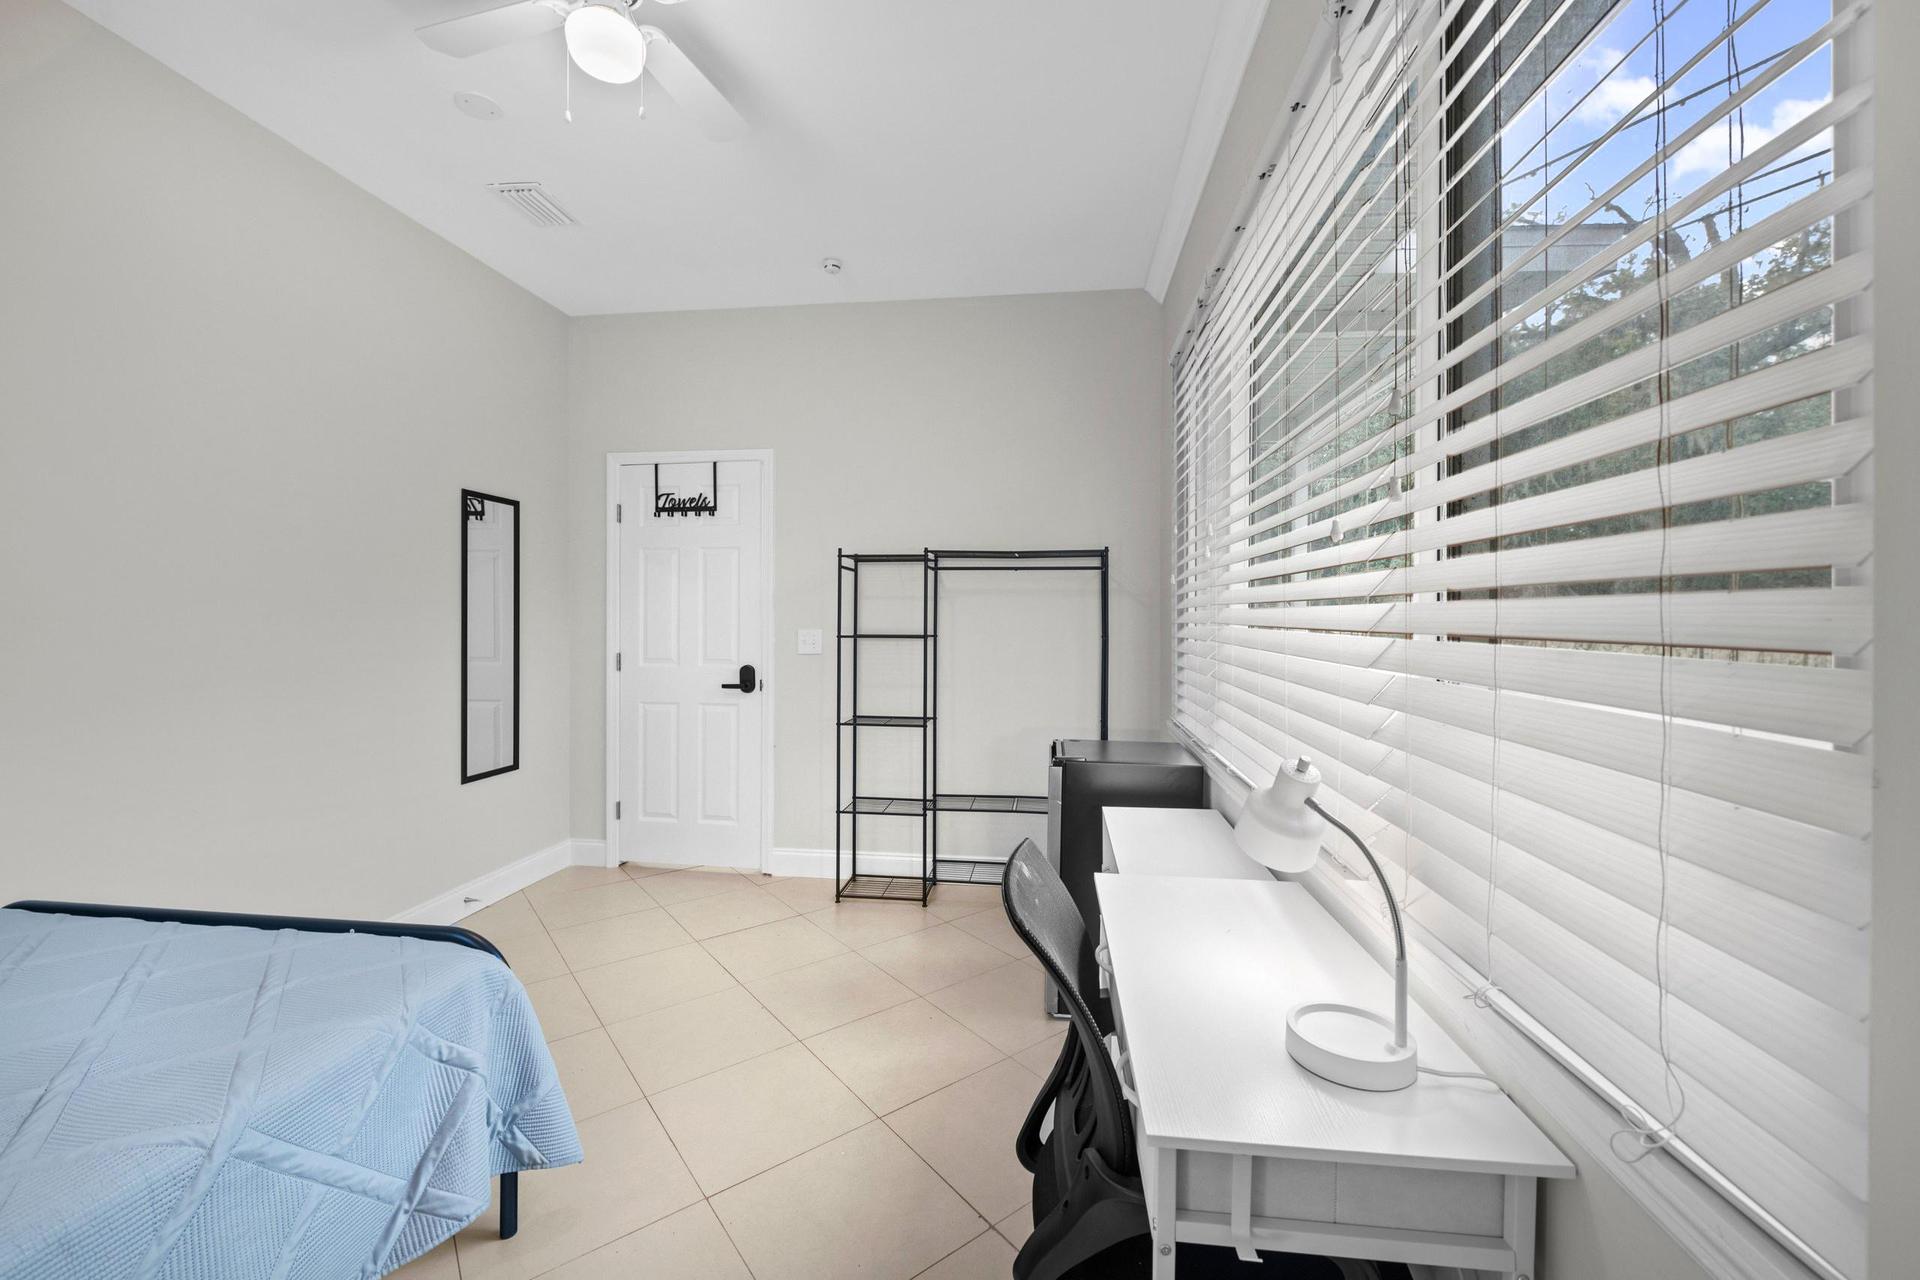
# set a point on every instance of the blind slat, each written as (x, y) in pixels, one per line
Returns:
(1827, 704)
(1821, 289)
(1739, 768)
(1838, 366)
(1786, 540)
(1822, 453)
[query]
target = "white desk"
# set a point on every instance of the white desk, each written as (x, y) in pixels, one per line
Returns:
(1174, 842)
(1240, 1146)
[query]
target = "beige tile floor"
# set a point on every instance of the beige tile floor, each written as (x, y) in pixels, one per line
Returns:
(769, 1086)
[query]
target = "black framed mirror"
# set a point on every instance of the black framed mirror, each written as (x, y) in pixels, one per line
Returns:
(489, 635)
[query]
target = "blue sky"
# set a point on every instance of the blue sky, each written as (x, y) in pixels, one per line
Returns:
(1615, 72)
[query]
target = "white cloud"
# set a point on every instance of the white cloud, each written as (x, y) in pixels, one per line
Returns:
(1615, 92)
(1710, 152)
(1613, 99)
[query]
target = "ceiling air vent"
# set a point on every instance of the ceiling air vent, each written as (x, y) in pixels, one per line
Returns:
(533, 203)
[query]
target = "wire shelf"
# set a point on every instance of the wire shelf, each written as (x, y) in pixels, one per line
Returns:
(968, 871)
(889, 806)
(896, 722)
(893, 888)
(956, 802)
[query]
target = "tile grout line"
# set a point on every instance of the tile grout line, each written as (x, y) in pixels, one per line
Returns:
(705, 1199)
(601, 1026)
(787, 1027)
(990, 1227)
(738, 1252)
(702, 944)
(534, 905)
(752, 1057)
(667, 1133)
(990, 1231)
(873, 1115)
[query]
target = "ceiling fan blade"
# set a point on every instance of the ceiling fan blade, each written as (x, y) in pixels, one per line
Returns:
(690, 89)
(490, 28)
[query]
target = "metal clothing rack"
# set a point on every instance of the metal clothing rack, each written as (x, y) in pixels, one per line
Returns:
(852, 880)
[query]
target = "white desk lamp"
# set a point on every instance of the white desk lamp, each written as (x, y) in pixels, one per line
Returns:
(1281, 827)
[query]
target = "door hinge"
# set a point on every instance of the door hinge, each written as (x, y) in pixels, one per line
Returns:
(616, 662)
(616, 811)
(617, 516)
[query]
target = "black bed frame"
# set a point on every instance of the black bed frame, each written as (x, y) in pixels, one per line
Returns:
(509, 1182)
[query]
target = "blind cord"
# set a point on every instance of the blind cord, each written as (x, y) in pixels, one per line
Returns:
(1408, 280)
(1643, 1134)
(1498, 446)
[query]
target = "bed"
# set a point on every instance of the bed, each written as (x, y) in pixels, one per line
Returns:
(192, 1094)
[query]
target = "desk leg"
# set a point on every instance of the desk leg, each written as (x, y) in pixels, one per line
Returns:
(1166, 1194)
(1519, 1224)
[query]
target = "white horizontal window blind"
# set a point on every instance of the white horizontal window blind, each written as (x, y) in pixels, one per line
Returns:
(1520, 483)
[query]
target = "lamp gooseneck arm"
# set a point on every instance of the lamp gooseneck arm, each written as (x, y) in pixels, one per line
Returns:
(1393, 913)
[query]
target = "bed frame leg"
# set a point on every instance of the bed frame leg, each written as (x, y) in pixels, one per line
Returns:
(509, 1205)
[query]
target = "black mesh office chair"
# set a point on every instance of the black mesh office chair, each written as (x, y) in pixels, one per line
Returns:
(1086, 1173)
(1089, 1214)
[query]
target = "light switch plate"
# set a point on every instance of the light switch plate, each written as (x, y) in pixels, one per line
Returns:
(810, 640)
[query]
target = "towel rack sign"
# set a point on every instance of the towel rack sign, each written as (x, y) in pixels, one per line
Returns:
(669, 503)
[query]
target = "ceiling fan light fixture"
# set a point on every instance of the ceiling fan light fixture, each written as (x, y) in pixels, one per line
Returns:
(605, 44)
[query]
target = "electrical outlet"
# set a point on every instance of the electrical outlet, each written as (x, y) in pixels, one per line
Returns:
(810, 640)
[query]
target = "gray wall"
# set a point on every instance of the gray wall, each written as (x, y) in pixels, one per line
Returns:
(1003, 422)
(240, 399)
(1278, 54)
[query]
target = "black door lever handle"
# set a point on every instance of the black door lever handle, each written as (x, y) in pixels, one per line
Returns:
(748, 682)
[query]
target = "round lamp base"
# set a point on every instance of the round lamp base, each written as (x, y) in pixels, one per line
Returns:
(1350, 1046)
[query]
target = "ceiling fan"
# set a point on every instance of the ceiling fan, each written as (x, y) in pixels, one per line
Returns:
(604, 41)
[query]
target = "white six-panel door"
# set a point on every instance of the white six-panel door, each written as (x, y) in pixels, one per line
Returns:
(689, 616)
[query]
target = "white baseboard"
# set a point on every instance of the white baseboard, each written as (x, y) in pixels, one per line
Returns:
(484, 891)
(819, 863)
(515, 876)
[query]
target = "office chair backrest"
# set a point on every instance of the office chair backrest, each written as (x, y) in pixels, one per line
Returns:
(1043, 913)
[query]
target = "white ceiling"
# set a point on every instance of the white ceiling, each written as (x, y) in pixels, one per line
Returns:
(941, 148)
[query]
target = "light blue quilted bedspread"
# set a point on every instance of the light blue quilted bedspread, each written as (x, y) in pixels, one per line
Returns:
(179, 1102)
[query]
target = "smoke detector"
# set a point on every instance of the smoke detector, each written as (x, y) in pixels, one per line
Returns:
(533, 203)
(477, 105)
(832, 266)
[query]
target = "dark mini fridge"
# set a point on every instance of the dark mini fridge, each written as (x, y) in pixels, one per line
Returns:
(1089, 774)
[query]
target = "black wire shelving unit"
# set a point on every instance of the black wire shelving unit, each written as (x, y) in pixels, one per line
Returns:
(851, 879)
